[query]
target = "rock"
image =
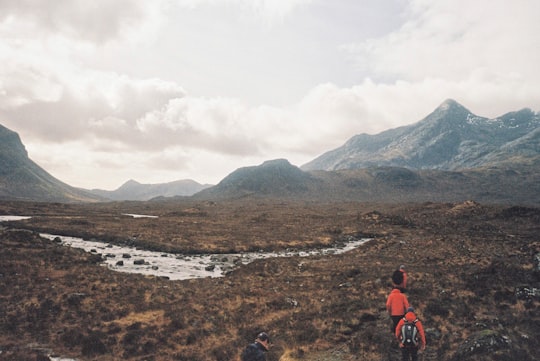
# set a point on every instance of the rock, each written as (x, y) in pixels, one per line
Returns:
(95, 258)
(210, 267)
(291, 301)
(126, 255)
(527, 292)
(120, 263)
(433, 334)
(74, 299)
(139, 262)
(482, 343)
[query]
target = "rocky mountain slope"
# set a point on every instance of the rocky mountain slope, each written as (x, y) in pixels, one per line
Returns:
(450, 138)
(22, 179)
(274, 178)
(450, 156)
(279, 179)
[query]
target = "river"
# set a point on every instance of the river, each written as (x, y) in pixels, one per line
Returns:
(175, 266)
(179, 266)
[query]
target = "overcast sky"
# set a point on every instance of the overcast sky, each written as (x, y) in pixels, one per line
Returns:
(104, 91)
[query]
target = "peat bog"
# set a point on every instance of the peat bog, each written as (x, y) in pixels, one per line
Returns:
(473, 269)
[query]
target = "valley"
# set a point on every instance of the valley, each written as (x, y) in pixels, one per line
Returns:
(473, 268)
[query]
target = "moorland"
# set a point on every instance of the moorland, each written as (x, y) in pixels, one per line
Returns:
(473, 269)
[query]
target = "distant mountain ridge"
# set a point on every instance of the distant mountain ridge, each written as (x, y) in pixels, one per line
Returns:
(135, 191)
(22, 179)
(450, 155)
(450, 138)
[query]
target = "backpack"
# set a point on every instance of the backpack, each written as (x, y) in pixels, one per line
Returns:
(409, 334)
(397, 277)
(251, 353)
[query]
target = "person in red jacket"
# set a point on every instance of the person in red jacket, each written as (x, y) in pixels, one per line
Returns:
(399, 278)
(396, 305)
(410, 352)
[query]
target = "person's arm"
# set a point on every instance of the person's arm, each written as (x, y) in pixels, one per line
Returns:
(398, 329)
(420, 328)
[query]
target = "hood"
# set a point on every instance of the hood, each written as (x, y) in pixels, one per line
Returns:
(410, 316)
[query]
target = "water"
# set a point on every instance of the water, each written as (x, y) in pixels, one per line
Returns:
(178, 266)
(12, 218)
(173, 266)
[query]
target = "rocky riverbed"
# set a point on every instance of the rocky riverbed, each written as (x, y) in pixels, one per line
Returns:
(180, 266)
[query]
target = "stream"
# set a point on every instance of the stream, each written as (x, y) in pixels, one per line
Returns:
(179, 266)
(176, 266)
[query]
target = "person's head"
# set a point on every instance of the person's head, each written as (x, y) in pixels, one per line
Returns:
(410, 315)
(402, 267)
(264, 340)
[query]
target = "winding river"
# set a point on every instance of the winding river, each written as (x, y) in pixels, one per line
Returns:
(178, 266)
(174, 266)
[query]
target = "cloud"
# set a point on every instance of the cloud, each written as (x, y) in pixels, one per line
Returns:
(87, 121)
(94, 21)
(457, 40)
(270, 11)
(82, 103)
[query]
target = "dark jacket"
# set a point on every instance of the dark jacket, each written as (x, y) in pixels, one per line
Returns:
(254, 352)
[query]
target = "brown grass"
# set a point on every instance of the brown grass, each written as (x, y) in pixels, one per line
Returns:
(464, 262)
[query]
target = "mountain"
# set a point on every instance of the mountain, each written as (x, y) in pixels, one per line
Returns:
(135, 191)
(280, 180)
(273, 178)
(22, 179)
(451, 155)
(450, 138)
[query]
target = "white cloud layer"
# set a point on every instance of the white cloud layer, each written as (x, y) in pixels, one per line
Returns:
(106, 91)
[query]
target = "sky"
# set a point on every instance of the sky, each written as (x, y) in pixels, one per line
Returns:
(102, 91)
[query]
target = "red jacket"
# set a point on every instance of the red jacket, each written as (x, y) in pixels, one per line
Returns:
(404, 283)
(410, 317)
(397, 303)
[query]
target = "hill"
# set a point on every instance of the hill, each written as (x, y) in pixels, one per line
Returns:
(450, 138)
(519, 184)
(451, 155)
(22, 179)
(135, 191)
(273, 178)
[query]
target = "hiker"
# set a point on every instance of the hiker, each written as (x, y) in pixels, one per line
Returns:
(399, 278)
(411, 337)
(396, 305)
(256, 351)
